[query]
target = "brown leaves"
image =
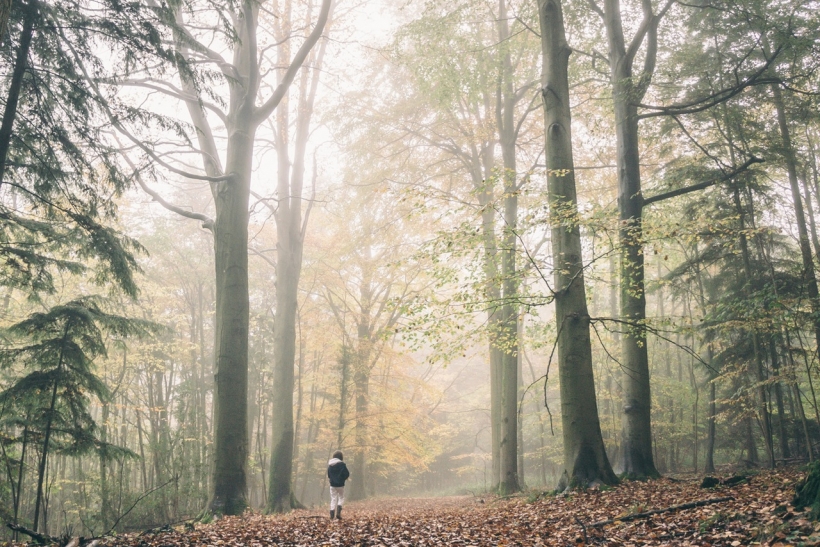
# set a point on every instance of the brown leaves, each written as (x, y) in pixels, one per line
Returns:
(760, 513)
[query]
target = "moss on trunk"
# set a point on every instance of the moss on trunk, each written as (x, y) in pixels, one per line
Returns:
(807, 493)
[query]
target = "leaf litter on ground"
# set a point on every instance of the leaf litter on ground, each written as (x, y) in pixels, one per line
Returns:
(760, 513)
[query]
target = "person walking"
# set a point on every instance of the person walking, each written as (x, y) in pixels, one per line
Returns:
(337, 473)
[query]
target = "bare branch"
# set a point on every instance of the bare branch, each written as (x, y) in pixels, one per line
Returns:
(702, 185)
(596, 8)
(704, 103)
(207, 222)
(270, 105)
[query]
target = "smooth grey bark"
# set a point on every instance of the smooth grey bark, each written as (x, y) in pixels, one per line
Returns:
(585, 458)
(300, 395)
(493, 294)
(481, 165)
(230, 228)
(638, 459)
(291, 226)
(505, 116)
(520, 414)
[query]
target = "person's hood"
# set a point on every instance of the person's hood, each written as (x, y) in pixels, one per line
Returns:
(334, 461)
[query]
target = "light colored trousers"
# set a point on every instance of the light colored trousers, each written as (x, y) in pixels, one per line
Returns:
(337, 497)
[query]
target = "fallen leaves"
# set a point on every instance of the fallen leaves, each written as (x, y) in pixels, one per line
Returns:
(759, 513)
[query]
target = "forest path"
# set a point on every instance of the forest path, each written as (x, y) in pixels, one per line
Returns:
(759, 512)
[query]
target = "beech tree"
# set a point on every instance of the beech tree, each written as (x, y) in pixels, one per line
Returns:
(482, 103)
(228, 171)
(291, 226)
(585, 458)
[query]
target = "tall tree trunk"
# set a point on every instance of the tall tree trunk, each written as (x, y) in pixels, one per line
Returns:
(229, 495)
(782, 427)
(300, 368)
(493, 323)
(19, 71)
(520, 415)
(638, 459)
(763, 405)
(20, 475)
(104, 502)
(709, 466)
(483, 181)
(231, 189)
(505, 115)
(290, 229)
(41, 469)
(585, 458)
(805, 247)
(361, 375)
(288, 268)
(231, 333)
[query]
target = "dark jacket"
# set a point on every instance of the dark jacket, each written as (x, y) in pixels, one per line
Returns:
(337, 472)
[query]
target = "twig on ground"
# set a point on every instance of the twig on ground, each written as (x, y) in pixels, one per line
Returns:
(36, 536)
(636, 516)
(139, 499)
(583, 527)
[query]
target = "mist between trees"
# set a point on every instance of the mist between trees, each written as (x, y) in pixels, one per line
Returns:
(476, 245)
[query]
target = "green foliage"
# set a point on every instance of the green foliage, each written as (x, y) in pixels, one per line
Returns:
(54, 352)
(57, 214)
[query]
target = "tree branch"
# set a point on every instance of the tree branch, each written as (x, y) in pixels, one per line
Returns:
(139, 499)
(640, 34)
(207, 222)
(121, 128)
(704, 103)
(173, 91)
(39, 538)
(702, 185)
(596, 8)
(270, 105)
(636, 516)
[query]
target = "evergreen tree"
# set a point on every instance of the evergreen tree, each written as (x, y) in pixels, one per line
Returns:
(55, 353)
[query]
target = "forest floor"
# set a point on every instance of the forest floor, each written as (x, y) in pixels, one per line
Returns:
(759, 513)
